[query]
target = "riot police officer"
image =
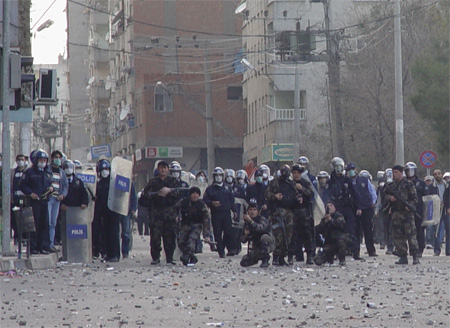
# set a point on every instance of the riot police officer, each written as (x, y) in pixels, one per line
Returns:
(36, 182)
(106, 222)
(219, 197)
(339, 189)
(422, 190)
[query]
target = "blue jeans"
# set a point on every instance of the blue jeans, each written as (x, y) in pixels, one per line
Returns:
(444, 225)
(53, 212)
(125, 221)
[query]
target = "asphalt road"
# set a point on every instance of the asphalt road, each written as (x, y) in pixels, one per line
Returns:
(218, 292)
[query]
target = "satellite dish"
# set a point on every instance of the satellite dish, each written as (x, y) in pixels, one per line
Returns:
(242, 6)
(124, 112)
(91, 80)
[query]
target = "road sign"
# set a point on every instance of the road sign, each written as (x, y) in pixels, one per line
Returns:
(427, 159)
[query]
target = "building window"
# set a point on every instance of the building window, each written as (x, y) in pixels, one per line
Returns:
(163, 101)
(234, 93)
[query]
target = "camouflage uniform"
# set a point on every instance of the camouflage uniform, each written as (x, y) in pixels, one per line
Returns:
(303, 221)
(162, 216)
(261, 241)
(280, 212)
(336, 239)
(195, 219)
(402, 221)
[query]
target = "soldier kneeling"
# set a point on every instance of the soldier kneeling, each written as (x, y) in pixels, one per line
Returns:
(194, 218)
(258, 233)
(332, 229)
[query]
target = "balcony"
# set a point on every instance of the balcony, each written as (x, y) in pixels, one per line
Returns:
(284, 114)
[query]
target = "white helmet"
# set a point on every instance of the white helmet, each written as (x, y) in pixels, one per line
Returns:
(338, 165)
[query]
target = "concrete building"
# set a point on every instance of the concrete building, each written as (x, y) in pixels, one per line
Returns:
(159, 54)
(278, 35)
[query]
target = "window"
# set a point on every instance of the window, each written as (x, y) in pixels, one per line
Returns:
(163, 101)
(234, 93)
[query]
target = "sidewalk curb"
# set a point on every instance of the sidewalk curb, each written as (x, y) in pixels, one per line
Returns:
(35, 262)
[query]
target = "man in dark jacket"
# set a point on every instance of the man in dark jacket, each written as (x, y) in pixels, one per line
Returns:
(333, 231)
(258, 233)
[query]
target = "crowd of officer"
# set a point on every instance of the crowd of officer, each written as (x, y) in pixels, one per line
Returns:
(287, 215)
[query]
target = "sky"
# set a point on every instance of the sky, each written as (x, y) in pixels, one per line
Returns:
(50, 42)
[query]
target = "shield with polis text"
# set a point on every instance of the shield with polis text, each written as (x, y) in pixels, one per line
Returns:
(120, 185)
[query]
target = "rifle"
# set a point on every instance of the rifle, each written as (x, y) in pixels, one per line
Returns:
(157, 192)
(402, 200)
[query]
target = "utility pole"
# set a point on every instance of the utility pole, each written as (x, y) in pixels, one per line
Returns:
(334, 76)
(211, 161)
(6, 145)
(399, 138)
(296, 151)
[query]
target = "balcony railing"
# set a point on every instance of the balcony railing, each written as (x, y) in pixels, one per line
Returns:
(284, 114)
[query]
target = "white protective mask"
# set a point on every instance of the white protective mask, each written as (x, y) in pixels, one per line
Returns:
(41, 165)
(20, 164)
(104, 173)
(201, 179)
(69, 171)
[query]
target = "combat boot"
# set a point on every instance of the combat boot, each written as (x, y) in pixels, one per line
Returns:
(402, 260)
(265, 263)
(416, 259)
(185, 259)
(356, 256)
(282, 261)
(291, 259)
(342, 261)
(309, 259)
(193, 259)
(275, 261)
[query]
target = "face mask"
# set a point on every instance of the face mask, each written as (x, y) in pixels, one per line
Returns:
(41, 165)
(176, 174)
(69, 171)
(201, 179)
(218, 179)
(20, 164)
(104, 173)
(241, 182)
(229, 179)
(351, 173)
(381, 184)
(259, 179)
(339, 169)
(265, 176)
(57, 162)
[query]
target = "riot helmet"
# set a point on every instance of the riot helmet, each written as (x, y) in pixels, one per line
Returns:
(175, 170)
(365, 174)
(259, 176)
(265, 170)
(241, 177)
(388, 176)
(230, 176)
(446, 176)
(380, 176)
(69, 167)
(338, 165)
(218, 175)
(285, 172)
(103, 168)
(40, 158)
(322, 178)
(410, 169)
(303, 161)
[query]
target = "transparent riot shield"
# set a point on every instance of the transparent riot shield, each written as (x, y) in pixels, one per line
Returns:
(120, 185)
(89, 178)
(431, 210)
(77, 238)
